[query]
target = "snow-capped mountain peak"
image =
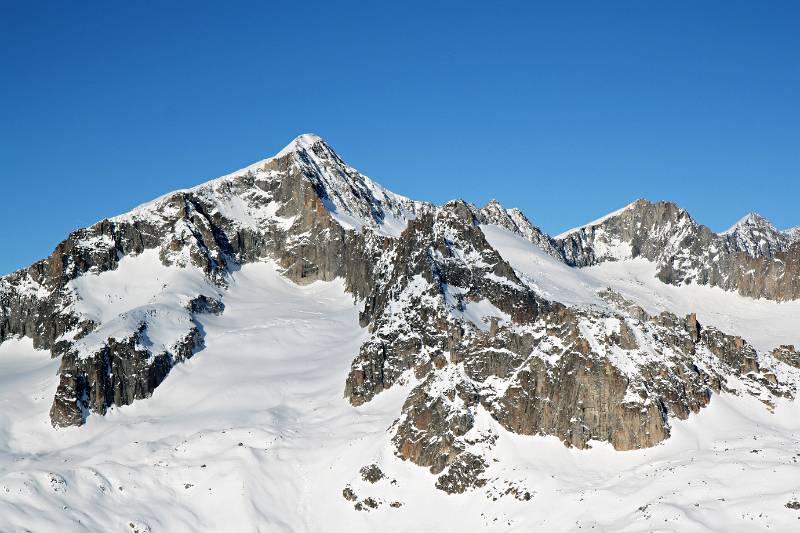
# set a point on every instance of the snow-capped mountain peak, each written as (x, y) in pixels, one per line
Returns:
(353, 199)
(304, 141)
(757, 236)
(247, 197)
(792, 234)
(751, 220)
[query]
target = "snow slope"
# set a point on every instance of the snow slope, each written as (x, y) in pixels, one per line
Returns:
(140, 290)
(766, 324)
(253, 434)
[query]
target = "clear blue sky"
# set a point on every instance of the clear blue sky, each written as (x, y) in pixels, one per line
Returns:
(567, 110)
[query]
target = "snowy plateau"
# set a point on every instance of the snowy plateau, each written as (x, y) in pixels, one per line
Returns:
(294, 348)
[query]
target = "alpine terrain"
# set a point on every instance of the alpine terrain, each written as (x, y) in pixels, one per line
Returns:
(292, 347)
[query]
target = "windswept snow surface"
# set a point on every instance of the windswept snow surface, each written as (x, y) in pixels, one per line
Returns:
(766, 324)
(253, 434)
(140, 290)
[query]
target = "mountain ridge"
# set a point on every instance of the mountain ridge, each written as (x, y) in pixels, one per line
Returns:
(446, 305)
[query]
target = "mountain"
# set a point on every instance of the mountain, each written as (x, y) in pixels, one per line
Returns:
(752, 258)
(297, 299)
(758, 237)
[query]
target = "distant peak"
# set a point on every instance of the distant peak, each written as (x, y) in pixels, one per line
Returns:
(793, 234)
(750, 220)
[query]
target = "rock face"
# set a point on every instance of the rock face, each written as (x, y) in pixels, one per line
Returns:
(447, 315)
(121, 372)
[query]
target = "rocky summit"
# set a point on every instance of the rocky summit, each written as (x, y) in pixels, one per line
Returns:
(467, 312)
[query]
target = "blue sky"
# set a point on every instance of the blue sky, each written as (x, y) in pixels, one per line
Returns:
(567, 110)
